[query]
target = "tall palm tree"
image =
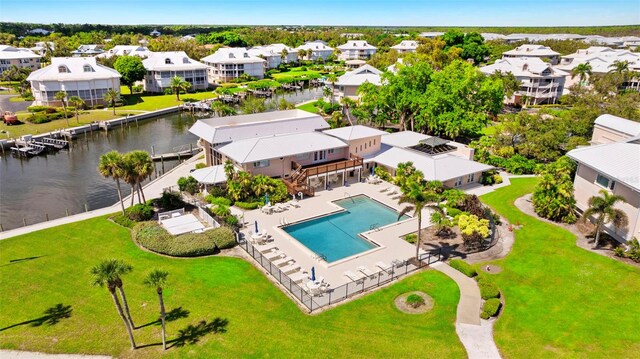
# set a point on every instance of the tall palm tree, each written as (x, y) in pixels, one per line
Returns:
(229, 170)
(142, 167)
(347, 104)
(158, 279)
(619, 67)
(283, 55)
(332, 78)
(583, 71)
(77, 102)
(111, 165)
(111, 97)
(420, 198)
(301, 54)
(62, 97)
(603, 207)
(179, 84)
(130, 177)
(108, 273)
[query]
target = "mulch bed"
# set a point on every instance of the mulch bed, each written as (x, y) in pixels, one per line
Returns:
(401, 303)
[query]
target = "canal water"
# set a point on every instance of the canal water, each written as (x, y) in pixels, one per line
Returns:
(31, 189)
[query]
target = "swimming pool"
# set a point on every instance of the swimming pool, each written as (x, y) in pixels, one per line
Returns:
(336, 236)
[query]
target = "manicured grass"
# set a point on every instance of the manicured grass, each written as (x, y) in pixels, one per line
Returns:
(157, 102)
(294, 73)
(561, 300)
(309, 107)
(84, 118)
(50, 267)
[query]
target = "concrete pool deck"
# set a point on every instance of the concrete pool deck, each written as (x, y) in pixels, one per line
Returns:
(391, 245)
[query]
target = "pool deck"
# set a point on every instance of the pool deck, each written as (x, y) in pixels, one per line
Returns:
(392, 246)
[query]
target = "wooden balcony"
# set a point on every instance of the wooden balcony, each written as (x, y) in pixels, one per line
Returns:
(350, 164)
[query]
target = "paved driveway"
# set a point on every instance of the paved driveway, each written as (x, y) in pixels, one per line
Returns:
(5, 105)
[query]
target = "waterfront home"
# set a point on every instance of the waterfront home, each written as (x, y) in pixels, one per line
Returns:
(88, 50)
(347, 84)
(533, 51)
(126, 50)
(611, 163)
(163, 66)
(316, 50)
(19, 57)
(406, 46)
(275, 54)
(229, 63)
(601, 59)
(77, 76)
(41, 47)
(299, 147)
(356, 50)
(539, 82)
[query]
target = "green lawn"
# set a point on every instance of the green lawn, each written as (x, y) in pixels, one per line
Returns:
(561, 300)
(50, 267)
(309, 107)
(294, 73)
(157, 102)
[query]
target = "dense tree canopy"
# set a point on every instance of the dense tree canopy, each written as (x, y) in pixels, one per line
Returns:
(553, 197)
(131, 69)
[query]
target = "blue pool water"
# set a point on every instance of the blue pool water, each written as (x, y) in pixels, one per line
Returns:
(336, 236)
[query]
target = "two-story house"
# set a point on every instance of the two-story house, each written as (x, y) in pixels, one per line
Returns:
(229, 63)
(163, 66)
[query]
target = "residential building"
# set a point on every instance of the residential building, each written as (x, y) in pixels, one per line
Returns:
(347, 84)
(406, 46)
(41, 47)
(316, 50)
(275, 54)
(431, 34)
(539, 81)
(352, 35)
(601, 59)
(77, 76)
(39, 31)
(88, 50)
(299, 147)
(611, 164)
(19, 57)
(126, 50)
(229, 63)
(488, 36)
(356, 50)
(163, 66)
(531, 51)
(155, 33)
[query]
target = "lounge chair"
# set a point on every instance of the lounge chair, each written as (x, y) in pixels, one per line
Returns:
(283, 261)
(299, 277)
(393, 191)
(366, 271)
(354, 276)
(274, 254)
(386, 189)
(266, 248)
(291, 268)
(294, 203)
(385, 267)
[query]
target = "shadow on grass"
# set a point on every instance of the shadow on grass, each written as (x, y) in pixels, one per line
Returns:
(193, 333)
(172, 315)
(20, 260)
(51, 316)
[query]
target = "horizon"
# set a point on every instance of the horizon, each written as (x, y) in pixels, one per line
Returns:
(334, 13)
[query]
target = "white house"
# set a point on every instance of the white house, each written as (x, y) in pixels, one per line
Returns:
(601, 59)
(539, 81)
(347, 84)
(163, 66)
(126, 50)
(229, 63)
(41, 47)
(431, 34)
(406, 46)
(612, 164)
(316, 50)
(88, 50)
(530, 51)
(155, 33)
(273, 54)
(19, 57)
(77, 76)
(356, 50)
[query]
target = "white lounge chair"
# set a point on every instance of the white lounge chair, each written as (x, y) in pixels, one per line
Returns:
(291, 268)
(274, 254)
(294, 203)
(299, 277)
(386, 189)
(354, 276)
(393, 191)
(366, 271)
(266, 248)
(283, 261)
(384, 266)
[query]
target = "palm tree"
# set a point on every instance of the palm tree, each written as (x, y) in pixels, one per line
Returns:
(111, 97)
(142, 167)
(229, 170)
(108, 273)
(111, 165)
(77, 102)
(327, 92)
(582, 71)
(158, 279)
(603, 207)
(619, 67)
(62, 96)
(301, 54)
(261, 185)
(420, 198)
(283, 55)
(130, 177)
(179, 84)
(347, 104)
(332, 78)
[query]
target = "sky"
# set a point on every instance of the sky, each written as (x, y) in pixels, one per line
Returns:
(327, 12)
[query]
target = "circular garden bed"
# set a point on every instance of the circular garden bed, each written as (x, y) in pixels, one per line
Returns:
(414, 302)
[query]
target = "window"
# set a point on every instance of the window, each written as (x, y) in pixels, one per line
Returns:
(167, 61)
(471, 178)
(185, 60)
(62, 69)
(87, 68)
(261, 164)
(458, 182)
(331, 151)
(360, 148)
(605, 182)
(319, 155)
(374, 142)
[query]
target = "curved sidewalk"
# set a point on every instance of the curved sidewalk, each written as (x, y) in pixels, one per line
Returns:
(475, 334)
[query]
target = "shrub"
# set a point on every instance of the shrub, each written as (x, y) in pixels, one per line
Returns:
(519, 165)
(168, 91)
(411, 238)
(414, 300)
(221, 211)
(619, 252)
(453, 212)
(473, 205)
(463, 267)
(152, 236)
(188, 184)
(634, 250)
(248, 205)
(473, 229)
(490, 308)
(218, 191)
(232, 220)
(123, 220)
(218, 201)
(200, 165)
(36, 109)
(137, 88)
(170, 201)
(490, 178)
(140, 212)
(488, 290)
(383, 174)
(38, 119)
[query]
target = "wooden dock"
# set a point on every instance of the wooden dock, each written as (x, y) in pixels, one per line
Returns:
(176, 155)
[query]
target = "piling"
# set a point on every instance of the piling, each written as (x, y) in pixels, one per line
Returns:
(46, 215)
(24, 220)
(86, 208)
(67, 211)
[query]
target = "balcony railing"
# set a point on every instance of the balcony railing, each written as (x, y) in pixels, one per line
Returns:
(352, 163)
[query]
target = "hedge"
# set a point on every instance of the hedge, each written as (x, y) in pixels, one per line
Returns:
(140, 212)
(488, 290)
(248, 205)
(490, 308)
(123, 220)
(464, 267)
(153, 237)
(220, 201)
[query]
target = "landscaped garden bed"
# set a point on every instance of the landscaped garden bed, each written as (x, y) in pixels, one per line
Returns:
(155, 238)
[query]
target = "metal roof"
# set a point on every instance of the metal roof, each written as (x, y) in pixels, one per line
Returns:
(619, 124)
(354, 132)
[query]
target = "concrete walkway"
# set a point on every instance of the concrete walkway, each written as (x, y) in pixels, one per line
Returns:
(475, 334)
(152, 189)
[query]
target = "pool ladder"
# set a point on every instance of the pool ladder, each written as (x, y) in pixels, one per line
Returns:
(347, 195)
(375, 227)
